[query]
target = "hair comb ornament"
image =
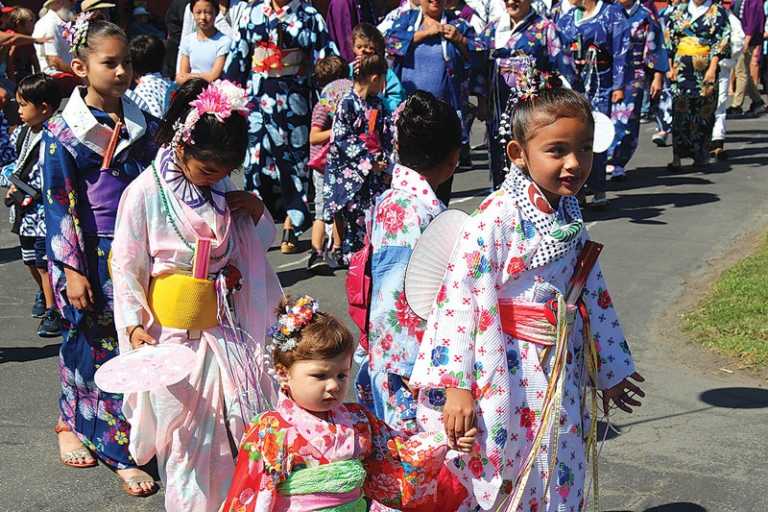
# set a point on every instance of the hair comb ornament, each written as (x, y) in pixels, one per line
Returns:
(289, 324)
(528, 84)
(220, 99)
(76, 32)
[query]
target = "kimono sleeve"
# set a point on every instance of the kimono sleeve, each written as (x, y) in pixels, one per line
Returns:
(721, 46)
(64, 239)
(620, 47)
(399, 37)
(322, 45)
(614, 358)
(237, 65)
(402, 472)
(131, 263)
(560, 59)
(346, 136)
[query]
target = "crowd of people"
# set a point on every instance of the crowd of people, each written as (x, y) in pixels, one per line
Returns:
(348, 118)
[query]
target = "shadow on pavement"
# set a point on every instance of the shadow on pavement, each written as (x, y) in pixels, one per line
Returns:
(9, 254)
(24, 354)
(606, 433)
(736, 398)
(639, 208)
(679, 506)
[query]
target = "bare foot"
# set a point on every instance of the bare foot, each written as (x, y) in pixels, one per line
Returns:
(137, 482)
(72, 451)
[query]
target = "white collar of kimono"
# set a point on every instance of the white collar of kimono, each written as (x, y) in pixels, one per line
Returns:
(697, 11)
(291, 6)
(559, 230)
(443, 21)
(506, 28)
(334, 438)
(595, 12)
(94, 135)
(409, 181)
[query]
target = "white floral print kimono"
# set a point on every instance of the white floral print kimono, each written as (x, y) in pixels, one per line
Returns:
(516, 248)
(193, 427)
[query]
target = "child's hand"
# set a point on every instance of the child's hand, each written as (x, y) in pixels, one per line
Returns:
(620, 394)
(617, 96)
(458, 414)
(140, 337)
(10, 192)
(240, 200)
(467, 441)
(79, 292)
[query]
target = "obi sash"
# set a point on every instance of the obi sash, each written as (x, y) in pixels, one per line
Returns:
(276, 62)
(334, 487)
(532, 322)
(184, 302)
(692, 47)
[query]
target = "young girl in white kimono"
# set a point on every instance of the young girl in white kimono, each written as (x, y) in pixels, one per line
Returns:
(186, 196)
(502, 350)
(314, 452)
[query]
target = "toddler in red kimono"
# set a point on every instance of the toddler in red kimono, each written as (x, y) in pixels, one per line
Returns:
(314, 452)
(521, 338)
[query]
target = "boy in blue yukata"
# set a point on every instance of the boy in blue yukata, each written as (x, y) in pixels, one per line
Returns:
(429, 136)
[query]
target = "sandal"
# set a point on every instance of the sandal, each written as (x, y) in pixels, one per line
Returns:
(132, 486)
(289, 243)
(71, 457)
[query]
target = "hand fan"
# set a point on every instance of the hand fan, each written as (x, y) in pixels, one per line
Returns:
(430, 259)
(147, 368)
(604, 132)
(334, 91)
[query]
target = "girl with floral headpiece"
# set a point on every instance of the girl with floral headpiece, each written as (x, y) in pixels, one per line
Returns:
(315, 452)
(503, 349)
(92, 151)
(189, 266)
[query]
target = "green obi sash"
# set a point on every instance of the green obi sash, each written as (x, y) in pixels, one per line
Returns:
(343, 477)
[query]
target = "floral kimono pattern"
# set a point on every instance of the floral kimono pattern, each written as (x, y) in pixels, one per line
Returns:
(350, 185)
(514, 247)
(533, 43)
(188, 427)
(290, 460)
(7, 149)
(647, 55)
(693, 103)
(401, 214)
(276, 161)
(599, 46)
(81, 202)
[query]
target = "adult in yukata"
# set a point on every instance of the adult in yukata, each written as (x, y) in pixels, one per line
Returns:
(430, 51)
(274, 49)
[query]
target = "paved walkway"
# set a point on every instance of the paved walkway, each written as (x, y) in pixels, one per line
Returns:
(698, 444)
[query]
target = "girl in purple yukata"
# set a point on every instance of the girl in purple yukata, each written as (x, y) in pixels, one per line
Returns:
(428, 142)
(361, 148)
(647, 61)
(82, 188)
(503, 350)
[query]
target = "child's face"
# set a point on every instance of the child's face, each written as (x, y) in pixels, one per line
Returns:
(362, 47)
(31, 114)
(318, 385)
(202, 174)
(204, 16)
(107, 67)
(558, 157)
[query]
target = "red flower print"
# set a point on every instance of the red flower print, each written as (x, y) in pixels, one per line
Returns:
(392, 217)
(527, 417)
(604, 299)
(485, 204)
(386, 342)
(406, 318)
(515, 266)
(449, 381)
(486, 319)
(442, 295)
(476, 467)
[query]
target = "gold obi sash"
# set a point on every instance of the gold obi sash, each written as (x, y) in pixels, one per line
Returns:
(691, 47)
(183, 302)
(276, 62)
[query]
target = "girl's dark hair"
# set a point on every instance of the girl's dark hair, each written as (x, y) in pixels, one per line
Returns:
(371, 65)
(371, 33)
(549, 105)
(213, 141)
(38, 89)
(96, 30)
(428, 130)
(213, 3)
(330, 69)
(323, 338)
(147, 54)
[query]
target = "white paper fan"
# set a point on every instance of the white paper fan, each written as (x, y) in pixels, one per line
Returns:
(430, 259)
(604, 132)
(147, 368)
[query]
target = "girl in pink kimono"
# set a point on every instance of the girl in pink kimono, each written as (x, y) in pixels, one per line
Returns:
(503, 348)
(183, 198)
(314, 452)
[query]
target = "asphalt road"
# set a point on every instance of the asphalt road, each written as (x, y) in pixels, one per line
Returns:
(698, 443)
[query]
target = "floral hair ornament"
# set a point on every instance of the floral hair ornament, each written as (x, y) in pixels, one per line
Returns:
(289, 324)
(76, 32)
(220, 99)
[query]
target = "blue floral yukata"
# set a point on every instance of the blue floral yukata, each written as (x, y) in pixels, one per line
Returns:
(350, 184)
(402, 213)
(662, 105)
(81, 203)
(514, 50)
(600, 46)
(693, 102)
(7, 149)
(647, 55)
(276, 161)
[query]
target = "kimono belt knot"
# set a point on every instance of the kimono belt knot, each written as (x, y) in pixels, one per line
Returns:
(531, 321)
(180, 301)
(330, 487)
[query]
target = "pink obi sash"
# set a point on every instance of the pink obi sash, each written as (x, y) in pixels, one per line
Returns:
(316, 501)
(530, 321)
